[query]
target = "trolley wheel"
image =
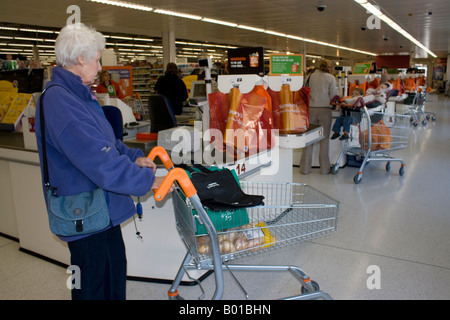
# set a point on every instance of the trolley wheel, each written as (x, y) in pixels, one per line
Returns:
(357, 178)
(411, 119)
(388, 166)
(314, 285)
(334, 169)
(428, 117)
(433, 118)
(401, 171)
(424, 122)
(415, 124)
(174, 295)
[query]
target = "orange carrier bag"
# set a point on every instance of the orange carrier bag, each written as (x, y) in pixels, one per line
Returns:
(243, 117)
(264, 128)
(384, 136)
(381, 137)
(290, 110)
(219, 104)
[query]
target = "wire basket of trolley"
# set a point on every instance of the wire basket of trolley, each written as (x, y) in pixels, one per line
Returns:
(373, 134)
(262, 217)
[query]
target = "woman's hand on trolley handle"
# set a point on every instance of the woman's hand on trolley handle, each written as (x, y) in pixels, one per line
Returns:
(147, 162)
(157, 183)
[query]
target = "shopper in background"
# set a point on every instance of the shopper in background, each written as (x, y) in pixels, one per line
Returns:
(172, 87)
(109, 86)
(83, 154)
(323, 89)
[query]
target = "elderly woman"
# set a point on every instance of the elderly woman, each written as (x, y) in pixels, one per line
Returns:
(323, 89)
(83, 154)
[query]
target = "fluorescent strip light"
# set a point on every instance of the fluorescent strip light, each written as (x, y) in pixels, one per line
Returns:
(34, 30)
(275, 33)
(372, 9)
(124, 5)
(28, 39)
(225, 47)
(250, 28)
(9, 28)
(118, 37)
(20, 45)
(143, 39)
(191, 49)
(194, 44)
(178, 14)
(295, 37)
(230, 24)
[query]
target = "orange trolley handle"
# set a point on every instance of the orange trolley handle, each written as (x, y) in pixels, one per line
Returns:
(160, 152)
(175, 174)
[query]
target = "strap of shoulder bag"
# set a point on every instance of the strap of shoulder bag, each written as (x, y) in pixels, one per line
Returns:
(44, 147)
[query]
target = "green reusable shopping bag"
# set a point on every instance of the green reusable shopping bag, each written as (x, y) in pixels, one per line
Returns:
(222, 215)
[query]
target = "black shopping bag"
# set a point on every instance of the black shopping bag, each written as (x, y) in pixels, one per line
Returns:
(219, 188)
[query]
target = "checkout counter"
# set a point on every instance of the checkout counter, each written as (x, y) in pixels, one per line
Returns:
(158, 254)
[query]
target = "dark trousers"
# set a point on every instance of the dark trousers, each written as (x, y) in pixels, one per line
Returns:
(103, 266)
(343, 121)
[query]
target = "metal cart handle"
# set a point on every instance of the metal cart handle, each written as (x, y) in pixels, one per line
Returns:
(163, 155)
(175, 174)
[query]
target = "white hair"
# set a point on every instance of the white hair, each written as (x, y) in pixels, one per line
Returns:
(77, 40)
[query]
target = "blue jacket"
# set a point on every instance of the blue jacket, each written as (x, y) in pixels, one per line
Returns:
(83, 152)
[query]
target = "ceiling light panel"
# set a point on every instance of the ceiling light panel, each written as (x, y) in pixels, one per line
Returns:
(124, 5)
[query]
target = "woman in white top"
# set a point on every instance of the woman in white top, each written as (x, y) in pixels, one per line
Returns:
(323, 89)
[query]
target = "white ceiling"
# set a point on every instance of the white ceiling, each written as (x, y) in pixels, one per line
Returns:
(339, 24)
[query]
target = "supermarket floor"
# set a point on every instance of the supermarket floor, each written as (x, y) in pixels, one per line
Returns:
(398, 224)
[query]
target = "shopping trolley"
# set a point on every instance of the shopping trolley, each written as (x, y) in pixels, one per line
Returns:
(291, 213)
(416, 102)
(373, 136)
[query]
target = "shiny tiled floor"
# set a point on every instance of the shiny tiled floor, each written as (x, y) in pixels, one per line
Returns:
(398, 224)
